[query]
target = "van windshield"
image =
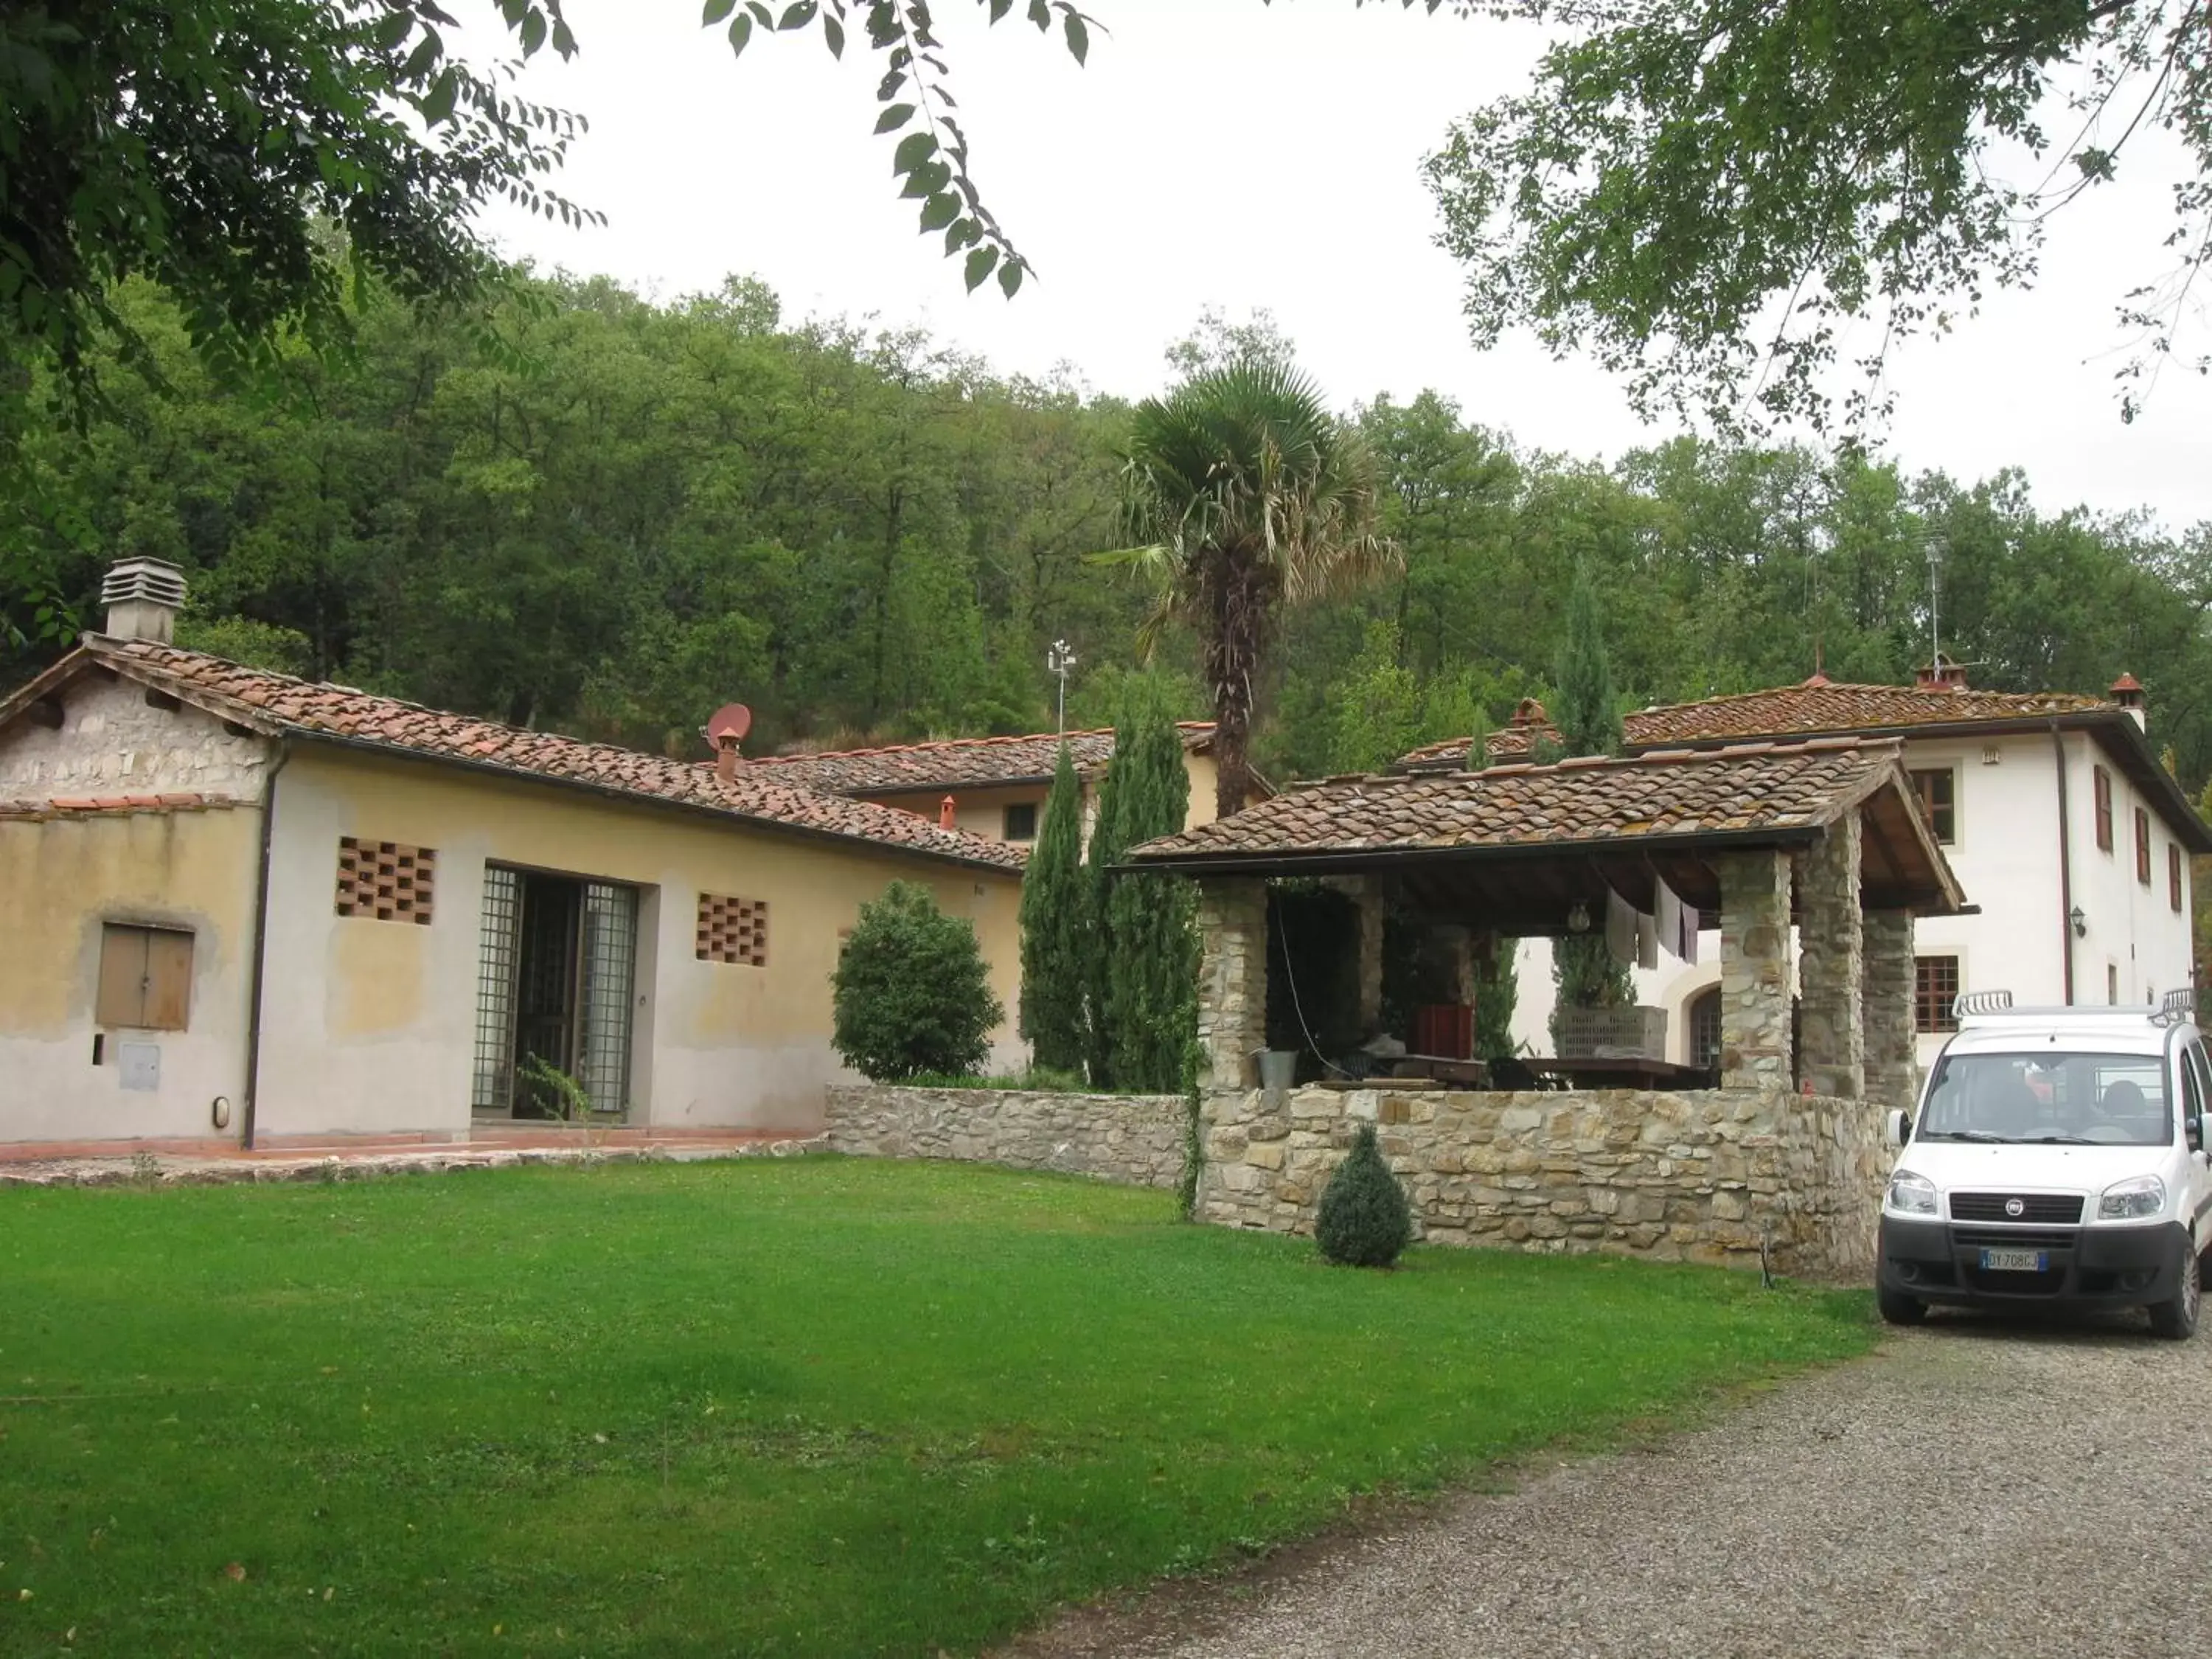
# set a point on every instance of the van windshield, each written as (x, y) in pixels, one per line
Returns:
(2098, 1100)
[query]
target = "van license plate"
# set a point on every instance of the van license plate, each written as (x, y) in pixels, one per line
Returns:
(2014, 1261)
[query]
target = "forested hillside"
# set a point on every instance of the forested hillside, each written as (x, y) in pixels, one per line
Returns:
(608, 515)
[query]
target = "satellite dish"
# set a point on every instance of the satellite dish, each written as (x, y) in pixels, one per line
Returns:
(732, 720)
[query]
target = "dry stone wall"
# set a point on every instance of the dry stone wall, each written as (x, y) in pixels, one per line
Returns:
(112, 742)
(1698, 1176)
(1136, 1139)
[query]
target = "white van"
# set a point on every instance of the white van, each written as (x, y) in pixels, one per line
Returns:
(2057, 1161)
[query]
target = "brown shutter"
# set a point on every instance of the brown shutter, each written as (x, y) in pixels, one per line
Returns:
(145, 978)
(168, 979)
(122, 999)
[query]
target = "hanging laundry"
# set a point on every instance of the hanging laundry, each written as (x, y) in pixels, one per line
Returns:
(1675, 920)
(1620, 928)
(1647, 941)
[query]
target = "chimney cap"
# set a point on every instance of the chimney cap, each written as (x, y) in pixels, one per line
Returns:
(142, 596)
(2128, 686)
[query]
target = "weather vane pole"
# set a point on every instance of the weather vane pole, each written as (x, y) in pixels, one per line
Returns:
(1059, 660)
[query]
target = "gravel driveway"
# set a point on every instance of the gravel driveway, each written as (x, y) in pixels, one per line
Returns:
(1974, 1488)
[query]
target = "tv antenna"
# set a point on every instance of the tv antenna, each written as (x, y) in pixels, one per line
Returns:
(1932, 546)
(1057, 660)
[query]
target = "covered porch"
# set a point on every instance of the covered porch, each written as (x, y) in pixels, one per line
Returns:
(1823, 838)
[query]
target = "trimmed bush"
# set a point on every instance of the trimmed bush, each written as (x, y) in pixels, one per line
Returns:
(912, 993)
(1365, 1220)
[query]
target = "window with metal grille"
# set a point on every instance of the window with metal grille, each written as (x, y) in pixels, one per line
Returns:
(609, 959)
(1938, 792)
(145, 977)
(2101, 782)
(2143, 847)
(732, 930)
(385, 881)
(493, 1089)
(1705, 1028)
(2174, 874)
(1935, 990)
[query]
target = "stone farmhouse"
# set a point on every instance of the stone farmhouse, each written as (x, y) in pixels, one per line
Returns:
(992, 787)
(2053, 808)
(240, 905)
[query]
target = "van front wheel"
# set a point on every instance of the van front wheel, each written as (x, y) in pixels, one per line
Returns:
(2176, 1320)
(1898, 1309)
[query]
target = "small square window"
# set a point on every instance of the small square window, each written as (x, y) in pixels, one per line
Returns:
(145, 978)
(1934, 994)
(1021, 819)
(1938, 792)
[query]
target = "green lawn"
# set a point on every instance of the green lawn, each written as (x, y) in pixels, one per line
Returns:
(818, 1407)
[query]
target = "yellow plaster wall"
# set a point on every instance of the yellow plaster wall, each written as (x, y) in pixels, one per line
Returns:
(60, 880)
(718, 1044)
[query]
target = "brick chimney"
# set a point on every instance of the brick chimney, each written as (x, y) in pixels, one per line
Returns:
(1941, 675)
(944, 812)
(142, 596)
(726, 756)
(2127, 692)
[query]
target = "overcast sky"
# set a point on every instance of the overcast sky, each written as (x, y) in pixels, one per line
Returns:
(1219, 153)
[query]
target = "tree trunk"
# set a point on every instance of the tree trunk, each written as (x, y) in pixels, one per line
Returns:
(1237, 610)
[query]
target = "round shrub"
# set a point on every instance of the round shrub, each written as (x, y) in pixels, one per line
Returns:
(912, 991)
(1365, 1220)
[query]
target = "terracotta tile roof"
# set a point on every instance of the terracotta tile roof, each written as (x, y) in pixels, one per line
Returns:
(1819, 706)
(1648, 798)
(1823, 705)
(957, 763)
(277, 704)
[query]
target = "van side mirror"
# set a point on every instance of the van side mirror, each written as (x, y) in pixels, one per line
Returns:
(2194, 1129)
(1897, 1129)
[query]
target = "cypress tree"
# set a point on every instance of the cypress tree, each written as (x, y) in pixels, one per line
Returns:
(1583, 971)
(1056, 931)
(1364, 1219)
(1144, 1008)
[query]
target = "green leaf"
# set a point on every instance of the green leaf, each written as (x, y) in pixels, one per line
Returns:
(912, 150)
(715, 12)
(1040, 14)
(394, 29)
(896, 116)
(533, 31)
(979, 266)
(798, 17)
(939, 210)
(425, 56)
(762, 15)
(887, 88)
(959, 234)
(1078, 37)
(928, 179)
(741, 32)
(438, 103)
(999, 8)
(833, 34)
(1010, 277)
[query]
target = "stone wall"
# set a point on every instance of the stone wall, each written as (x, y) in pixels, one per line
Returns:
(112, 742)
(1137, 1139)
(1699, 1176)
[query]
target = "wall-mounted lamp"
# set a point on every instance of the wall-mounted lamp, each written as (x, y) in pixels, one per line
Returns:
(1579, 919)
(2080, 923)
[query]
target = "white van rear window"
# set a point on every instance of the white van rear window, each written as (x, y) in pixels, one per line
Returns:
(2095, 1100)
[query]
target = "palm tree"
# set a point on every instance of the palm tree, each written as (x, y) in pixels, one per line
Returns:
(1249, 496)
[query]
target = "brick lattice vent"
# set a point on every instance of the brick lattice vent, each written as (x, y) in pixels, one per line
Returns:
(385, 881)
(732, 930)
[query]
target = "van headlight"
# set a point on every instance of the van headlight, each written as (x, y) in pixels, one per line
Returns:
(2123, 1201)
(1911, 1194)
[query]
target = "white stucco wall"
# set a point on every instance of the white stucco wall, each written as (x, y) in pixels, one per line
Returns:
(2006, 856)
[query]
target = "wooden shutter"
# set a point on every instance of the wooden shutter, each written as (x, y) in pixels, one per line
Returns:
(145, 978)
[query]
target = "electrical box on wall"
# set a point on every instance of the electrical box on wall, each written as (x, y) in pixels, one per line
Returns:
(140, 1065)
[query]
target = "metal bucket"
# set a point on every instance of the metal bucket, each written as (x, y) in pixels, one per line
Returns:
(1278, 1068)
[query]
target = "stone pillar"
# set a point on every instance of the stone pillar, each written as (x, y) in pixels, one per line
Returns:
(1831, 963)
(1754, 969)
(1232, 978)
(1893, 1056)
(1458, 945)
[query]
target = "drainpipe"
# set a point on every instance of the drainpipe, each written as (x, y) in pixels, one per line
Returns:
(2065, 865)
(260, 949)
